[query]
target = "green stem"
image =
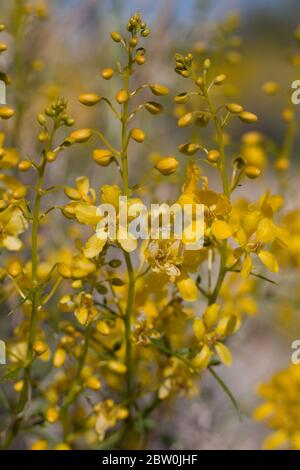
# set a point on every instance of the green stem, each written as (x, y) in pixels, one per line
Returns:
(128, 313)
(130, 270)
(220, 137)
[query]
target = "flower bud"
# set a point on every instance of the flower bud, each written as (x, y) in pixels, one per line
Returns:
(70, 122)
(6, 112)
(89, 99)
(185, 120)
(282, 164)
(52, 415)
(153, 108)
(140, 59)
(138, 135)
(145, 32)
(116, 36)
(43, 137)
(40, 347)
(252, 172)
(115, 263)
(64, 270)
(20, 192)
(247, 117)
(41, 119)
(133, 42)
(80, 136)
(189, 149)
(199, 82)
(102, 328)
(219, 80)
(116, 366)
(206, 64)
(93, 383)
(24, 165)
(234, 108)
(159, 90)
(270, 88)
(59, 357)
(288, 115)
(51, 156)
(107, 73)
(122, 96)
(213, 156)
(18, 386)
(181, 98)
(102, 157)
(14, 269)
(167, 165)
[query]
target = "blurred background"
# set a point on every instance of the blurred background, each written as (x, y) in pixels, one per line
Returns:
(62, 52)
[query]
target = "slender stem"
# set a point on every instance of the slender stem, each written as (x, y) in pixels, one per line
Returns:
(130, 270)
(220, 137)
(128, 313)
(23, 400)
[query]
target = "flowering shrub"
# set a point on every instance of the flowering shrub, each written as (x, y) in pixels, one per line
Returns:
(107, 330)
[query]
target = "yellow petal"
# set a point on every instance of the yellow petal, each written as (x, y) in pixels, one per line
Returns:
(201, 360)
(269, 260)
(188, 289)
(246, 267)
(94, 246)
(127, 240)
(221, 229)
(224, 354)
(265, 232)
(87, 214)
(211, 315)
(82, 315)
(83, 184)
(263, 411)
(110, 195)
(12, 243)
(275, 440)
(199, 328)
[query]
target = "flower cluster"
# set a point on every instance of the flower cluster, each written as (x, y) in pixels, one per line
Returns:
(107, 329)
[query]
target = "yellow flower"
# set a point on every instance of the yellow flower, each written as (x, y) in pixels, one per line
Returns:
(12, 224)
